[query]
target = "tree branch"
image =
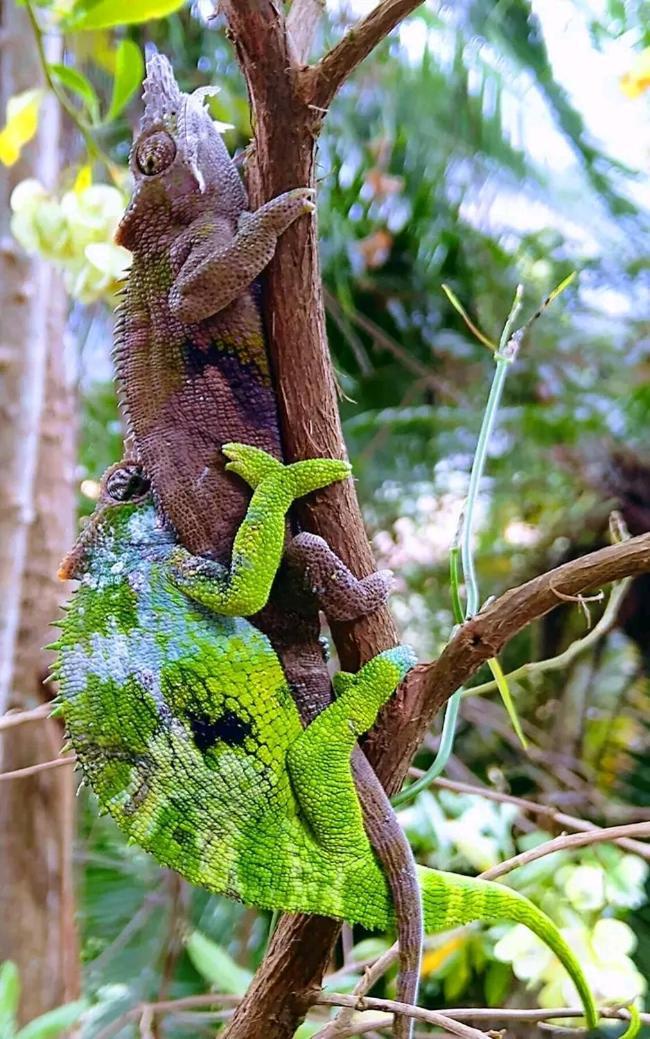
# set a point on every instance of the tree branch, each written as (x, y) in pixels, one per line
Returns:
(546, 813)
(567, 840)
(287, 124)
(408, 716)
(302, 22)
(322, 80)
(432, 1017)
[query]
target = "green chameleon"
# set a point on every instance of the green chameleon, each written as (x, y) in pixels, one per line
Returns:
(185, 726)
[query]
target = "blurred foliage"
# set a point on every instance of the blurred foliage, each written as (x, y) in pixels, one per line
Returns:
(438, 163)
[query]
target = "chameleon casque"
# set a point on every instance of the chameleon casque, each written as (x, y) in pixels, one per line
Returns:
(161, 681)
(212, 738)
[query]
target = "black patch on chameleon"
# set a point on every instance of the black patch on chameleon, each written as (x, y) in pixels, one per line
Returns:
(253, 397)
(228, 728)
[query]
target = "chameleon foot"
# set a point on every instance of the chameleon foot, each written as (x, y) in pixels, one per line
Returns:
(256, 466)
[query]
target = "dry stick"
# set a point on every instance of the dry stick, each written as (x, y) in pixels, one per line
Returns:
(35, 714)
(546, 812)
(287, 116)
(508, 1014)
(43, 766)
(433, 1017)
(569, 840)
(341, 1023)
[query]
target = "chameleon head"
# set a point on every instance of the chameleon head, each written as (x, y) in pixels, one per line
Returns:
(178, 154)
(124, 491)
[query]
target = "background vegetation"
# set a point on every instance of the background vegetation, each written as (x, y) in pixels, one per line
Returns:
(456, 154)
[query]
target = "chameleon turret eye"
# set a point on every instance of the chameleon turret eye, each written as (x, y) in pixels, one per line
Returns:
(127, 483)
(155, 154)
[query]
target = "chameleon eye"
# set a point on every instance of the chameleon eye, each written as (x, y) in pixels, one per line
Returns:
(127, 483)
(155, 154)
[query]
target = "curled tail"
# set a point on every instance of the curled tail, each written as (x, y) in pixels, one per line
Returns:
(450, 900)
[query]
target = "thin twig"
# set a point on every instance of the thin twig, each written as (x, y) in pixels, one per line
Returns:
(167, 1006)
(569, 840)
(391, 1006)
(546, 812)
(340, 1025)
(324, 79)
(384, 341)
(509, 1014)
(43, 766)
(35, 714)
(562, 660)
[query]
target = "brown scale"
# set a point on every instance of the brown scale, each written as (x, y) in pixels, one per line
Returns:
(193, 374)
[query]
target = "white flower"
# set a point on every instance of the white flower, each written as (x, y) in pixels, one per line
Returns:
(529, 956)
(584, 886)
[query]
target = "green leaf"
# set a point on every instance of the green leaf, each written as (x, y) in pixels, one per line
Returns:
(508, 702)
(9, 996)
(54, 1022)
(109, 13)
(216, 965)
(75, 81)
(129, 70)
(498, 980)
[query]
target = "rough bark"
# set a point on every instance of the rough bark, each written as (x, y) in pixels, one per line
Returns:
(36, 527)
(289, 102)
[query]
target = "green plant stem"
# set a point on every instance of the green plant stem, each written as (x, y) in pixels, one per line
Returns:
(504, 356)
(94, 151)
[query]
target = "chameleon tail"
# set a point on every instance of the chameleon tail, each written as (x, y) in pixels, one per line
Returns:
(451, 900)
(394, 852)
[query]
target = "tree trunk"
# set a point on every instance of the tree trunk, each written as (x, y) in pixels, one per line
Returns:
(37, 410)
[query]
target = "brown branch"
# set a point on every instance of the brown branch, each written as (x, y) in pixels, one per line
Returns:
(34, 714)
(391, 1006)
(566, 841)
(31, 770)
(409, 715)
(302, 22)
(322, 80)
(286, 122)
(545, 813)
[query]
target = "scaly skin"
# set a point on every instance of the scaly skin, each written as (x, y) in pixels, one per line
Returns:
(161, 698)
(190, 356)
(193, 373)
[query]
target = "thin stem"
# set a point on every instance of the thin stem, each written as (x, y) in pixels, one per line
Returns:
(94, 151)
(504, 357)
(32, 770)
(565, 658)
(570, 840)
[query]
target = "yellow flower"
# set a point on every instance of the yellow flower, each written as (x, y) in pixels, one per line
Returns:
(634, 82)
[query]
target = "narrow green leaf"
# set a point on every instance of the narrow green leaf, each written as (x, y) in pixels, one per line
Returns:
(55, 1022)
(9, 996)
(458, 306)
(129, 70)
(508, 703)
(216, 965)
(75, 81)
(108, 13)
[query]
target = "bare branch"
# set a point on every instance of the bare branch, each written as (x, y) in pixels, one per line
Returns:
(8, 721)
(31, 770)
(324, 79)
(302, 22)
(428, 686)
(546, 813)
(508, 1014)
(567, 841)
(391, 1006)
